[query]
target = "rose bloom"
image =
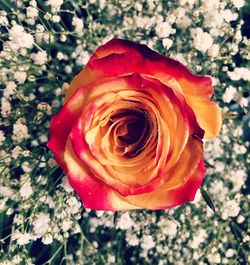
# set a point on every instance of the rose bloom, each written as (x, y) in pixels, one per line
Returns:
(129, 134)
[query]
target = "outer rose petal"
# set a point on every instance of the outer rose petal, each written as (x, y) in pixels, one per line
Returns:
(91, 154)
(163, 199)
(98, 196)
(114, 59)
(181, 170)
(93, 193)
(62, 123)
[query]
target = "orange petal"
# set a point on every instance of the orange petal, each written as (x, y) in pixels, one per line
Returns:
(93, 193)
(62, 123)
(120, 57)
(164, 199)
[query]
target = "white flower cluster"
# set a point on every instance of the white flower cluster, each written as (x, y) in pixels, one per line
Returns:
(44, 45)
(19, 38)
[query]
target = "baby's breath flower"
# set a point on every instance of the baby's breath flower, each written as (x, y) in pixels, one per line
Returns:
(238, 3)
(43, 106)
(5, 107)
(209, 5)
(229, 94)
(26, 190)
(65, 184)
(56, 18)
(40, 58)
(32, 12)
(78, 24)
(6, 191)
(164, 29)
(20, 77)
(147, 242)
(214, 258)
(239, 73)
(167, 43)
(198, 238)
(22, 238)
(66, 225)
(26, 153)
(168, 227)
(47, 239)
(2, 137)
(125, 222)
(20, 131)
(73, 205)
(3, 19)
(19, 38)
(55, 3)
(230, 209)
(16, 151)
(132, 239)
(41, 224)
(9, 89)
(213, 51)
(202, 40)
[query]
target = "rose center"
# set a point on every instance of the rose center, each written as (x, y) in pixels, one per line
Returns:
(132, 131)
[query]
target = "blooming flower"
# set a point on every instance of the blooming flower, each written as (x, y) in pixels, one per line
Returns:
(202, 40)
(41, 224)
(238, 3)
(6, 191)
(40, 58)
(31, 89)
(47, 239)
(2, 137)
(5, 107)
(32, 12)
(147, 242)
(22, 238)
(26, 190)
(167, 43)
(20, 77)
(78, 24)
(55, 3)
(119, 128)
(20, 131)
(213, 51)
(230, 209)
(3, 19)
(9, 89)
(19, 38)
(239, 73)
(163, 29)
(125, 222)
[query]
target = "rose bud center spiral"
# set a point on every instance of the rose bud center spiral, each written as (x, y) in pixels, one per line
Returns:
(132, 130)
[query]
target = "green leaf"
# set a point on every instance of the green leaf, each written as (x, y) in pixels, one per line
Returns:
(7, 6)
(115, 218)
(208, 164)
(207, 199)
(229, 115)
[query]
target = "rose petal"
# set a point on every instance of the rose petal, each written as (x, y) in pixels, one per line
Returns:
(163, 199)
(62, 123)
(93, 193)
(114, 59)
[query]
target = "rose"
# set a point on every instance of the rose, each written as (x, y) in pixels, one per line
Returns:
(130, 132)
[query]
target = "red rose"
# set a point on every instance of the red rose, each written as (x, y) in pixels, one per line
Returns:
(130, 132)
